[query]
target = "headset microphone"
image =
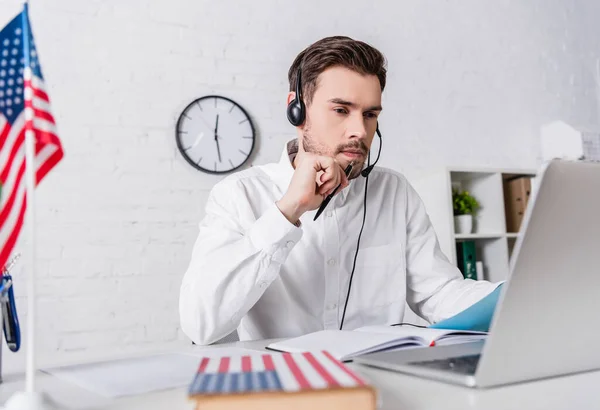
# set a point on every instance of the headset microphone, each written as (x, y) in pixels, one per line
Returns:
(365, 172)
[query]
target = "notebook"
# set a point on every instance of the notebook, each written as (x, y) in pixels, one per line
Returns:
(347, 344)
(276, 381)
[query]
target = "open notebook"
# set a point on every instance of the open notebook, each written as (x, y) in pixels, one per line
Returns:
(347, 344)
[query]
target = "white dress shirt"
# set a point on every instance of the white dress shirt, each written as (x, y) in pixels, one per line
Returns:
(254, 271)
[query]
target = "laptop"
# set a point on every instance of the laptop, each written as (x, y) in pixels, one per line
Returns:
(547, 321)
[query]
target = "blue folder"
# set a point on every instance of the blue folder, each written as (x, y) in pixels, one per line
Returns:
(476, 317)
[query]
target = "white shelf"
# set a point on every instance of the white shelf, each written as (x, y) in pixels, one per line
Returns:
(479, 235)
(485, 235)
(493, 244)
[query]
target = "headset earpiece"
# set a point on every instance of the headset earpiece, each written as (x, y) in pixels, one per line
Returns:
(296, 111)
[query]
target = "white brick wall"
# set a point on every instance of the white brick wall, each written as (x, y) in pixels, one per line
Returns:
(469, 83)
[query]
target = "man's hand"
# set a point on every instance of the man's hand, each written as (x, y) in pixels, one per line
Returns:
(315, 177)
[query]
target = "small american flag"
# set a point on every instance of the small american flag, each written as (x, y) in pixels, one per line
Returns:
(24, 108)
(288, 372)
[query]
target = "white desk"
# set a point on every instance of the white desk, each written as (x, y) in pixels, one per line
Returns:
(402, 392)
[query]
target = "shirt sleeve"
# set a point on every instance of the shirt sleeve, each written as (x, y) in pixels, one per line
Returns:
(235, 258)
(436, 289)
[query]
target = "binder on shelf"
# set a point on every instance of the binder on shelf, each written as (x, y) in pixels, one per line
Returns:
(467, 258)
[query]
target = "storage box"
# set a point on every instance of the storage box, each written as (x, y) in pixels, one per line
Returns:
(517, 192)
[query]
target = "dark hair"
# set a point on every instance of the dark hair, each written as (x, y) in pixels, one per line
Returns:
(335, 51)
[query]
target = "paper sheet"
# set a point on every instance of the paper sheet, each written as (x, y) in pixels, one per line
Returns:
(476, 317)
(140, 375)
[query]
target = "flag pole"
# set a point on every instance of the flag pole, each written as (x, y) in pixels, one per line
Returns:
(30, 399)
(30, 179)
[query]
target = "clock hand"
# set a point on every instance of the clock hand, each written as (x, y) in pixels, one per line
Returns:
(217, 138)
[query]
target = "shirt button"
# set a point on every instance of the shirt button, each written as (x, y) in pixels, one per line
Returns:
(262, 284)
(329, 214)
(289, 244)
(331, 306)
(331, 262)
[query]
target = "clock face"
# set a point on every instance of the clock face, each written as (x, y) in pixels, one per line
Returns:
(215, 134)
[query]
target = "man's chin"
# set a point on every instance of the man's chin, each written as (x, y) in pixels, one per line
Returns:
(357, 166)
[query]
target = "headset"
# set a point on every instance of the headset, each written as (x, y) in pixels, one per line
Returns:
(296, 114)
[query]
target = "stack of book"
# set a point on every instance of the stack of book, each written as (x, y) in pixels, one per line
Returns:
(290, 381)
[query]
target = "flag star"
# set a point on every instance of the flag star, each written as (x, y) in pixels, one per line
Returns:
(1, 103)
(13, 62)
(16, 42)
(20, 80)
(4, 53)
(1, 85)
(10, 82)
(3, 63)
(9, 92)
(1, 93)
(9, 111)
(6, 42)
(18, 31)
(15, 51)
(19, 90)
(2, 73)
(11, 71)
(21, 70)
(8, 102)
(17, 100)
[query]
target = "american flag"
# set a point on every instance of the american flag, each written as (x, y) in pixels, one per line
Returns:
(287, 372)
(24, 107)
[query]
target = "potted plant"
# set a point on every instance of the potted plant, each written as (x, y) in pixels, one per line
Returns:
(465, 205)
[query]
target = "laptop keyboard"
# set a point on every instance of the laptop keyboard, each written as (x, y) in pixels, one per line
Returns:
(461, 365)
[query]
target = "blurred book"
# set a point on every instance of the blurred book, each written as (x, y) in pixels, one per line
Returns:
(517, 192)
(466, 258)
(290, 381)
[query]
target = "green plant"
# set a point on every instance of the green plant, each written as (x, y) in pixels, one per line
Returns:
(464, 203)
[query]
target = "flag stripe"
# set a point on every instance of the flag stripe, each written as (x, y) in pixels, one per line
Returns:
(304, 384)
(320, 369)
(344, 368)
(246, 365)
(5, 127)
(14, 179)
(340, 376)
(10, 194)
(10, 243)
(52, 160)
(10, 152)
(268, 361)
(285, 374)
(203, 364)
(43, 115)
(224, 365)
(257, 363)
(9, 133)
(213, 365)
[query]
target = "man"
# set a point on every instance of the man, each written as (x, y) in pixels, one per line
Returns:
(261, 265)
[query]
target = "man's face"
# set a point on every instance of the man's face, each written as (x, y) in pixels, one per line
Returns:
(342, 117)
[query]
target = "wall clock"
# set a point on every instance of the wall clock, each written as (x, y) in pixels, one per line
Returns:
(215, 134)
